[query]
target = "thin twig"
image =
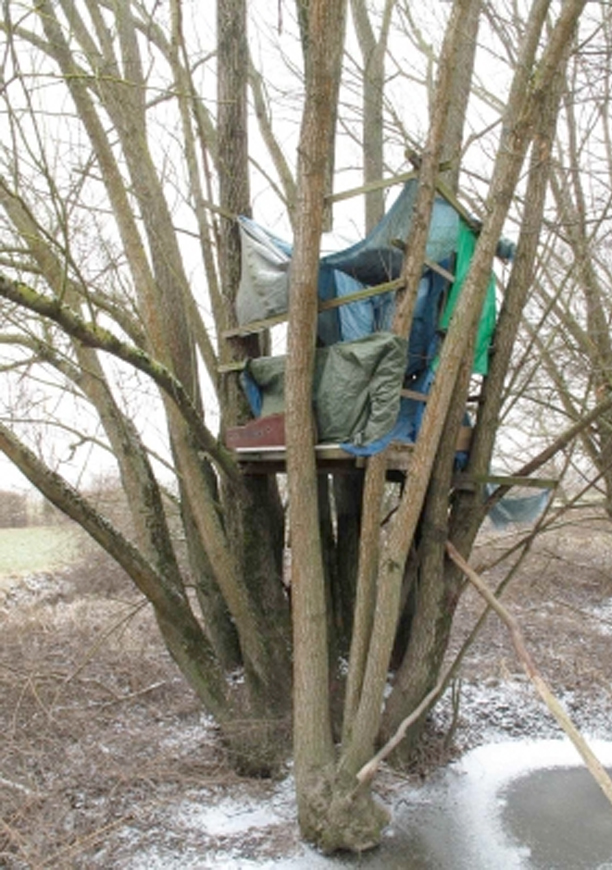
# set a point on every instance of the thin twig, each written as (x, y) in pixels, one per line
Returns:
(134, 610)
(368, 771)
(123, 698)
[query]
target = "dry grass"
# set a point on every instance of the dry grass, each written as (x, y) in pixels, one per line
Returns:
(96, 721)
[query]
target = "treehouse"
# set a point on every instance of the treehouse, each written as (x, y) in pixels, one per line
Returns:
(370, 386)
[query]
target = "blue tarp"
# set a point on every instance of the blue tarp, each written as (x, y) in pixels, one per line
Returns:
(263, 292)
(513, 509)
(377, 258)
(266, 261)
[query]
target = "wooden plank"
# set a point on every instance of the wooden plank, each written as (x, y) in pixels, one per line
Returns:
(328, 305)
(400, 244)
(237, 366)
(372, 185)
(402, 178)
(412, 394)
(358, 295)
(258, 433)
(256, 326)
(276, 453)
(451, 199)
(390, 181)
(435, 267)
(271, 460)
(464, 439)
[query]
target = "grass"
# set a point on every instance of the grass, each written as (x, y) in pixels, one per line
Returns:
(36, 548)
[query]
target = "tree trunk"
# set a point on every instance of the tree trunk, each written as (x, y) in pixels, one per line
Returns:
(439, 581)
(332, 813)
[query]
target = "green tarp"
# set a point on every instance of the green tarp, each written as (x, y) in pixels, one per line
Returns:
(356, 391)
(465, 251)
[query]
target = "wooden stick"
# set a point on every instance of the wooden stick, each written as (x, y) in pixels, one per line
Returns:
(465, 481)
(593, 764)
(596, 769)
(367, 772)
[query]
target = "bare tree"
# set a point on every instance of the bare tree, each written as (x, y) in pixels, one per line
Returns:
(120, 194)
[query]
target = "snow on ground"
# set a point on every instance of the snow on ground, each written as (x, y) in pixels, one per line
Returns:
(452, 822)
(457, 811)
(603, 616)
(235, 830)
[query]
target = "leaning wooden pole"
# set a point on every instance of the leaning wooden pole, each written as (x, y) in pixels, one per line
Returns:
(595, 767)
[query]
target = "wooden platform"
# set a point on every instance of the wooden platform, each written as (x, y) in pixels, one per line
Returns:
(270, 457)
(330, 458)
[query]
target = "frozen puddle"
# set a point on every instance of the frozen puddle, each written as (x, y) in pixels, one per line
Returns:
(545, 811)
(521, 805)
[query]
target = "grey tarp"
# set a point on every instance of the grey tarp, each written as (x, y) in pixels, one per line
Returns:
(264, 274)
(517, 508)
(264, 280)
(356, 391)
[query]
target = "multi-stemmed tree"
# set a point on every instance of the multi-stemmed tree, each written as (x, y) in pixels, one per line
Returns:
(122, 173)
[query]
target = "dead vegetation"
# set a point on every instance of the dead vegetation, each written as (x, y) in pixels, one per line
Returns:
(102, 740)
(97, 723)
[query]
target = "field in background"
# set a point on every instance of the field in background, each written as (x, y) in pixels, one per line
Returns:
(37, 548)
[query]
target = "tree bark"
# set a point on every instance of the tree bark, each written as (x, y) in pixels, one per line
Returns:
(366, 722)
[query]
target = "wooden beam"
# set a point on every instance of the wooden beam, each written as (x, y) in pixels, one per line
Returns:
(236, 366)
(412, 394)
(436, 267)
(271, 460)
(330, 304)
(466, 481)
(359, 295)
(402, 178)
(451, 199)
(256, 326)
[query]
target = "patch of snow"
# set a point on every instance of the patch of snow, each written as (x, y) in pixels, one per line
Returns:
(24, 590)
(227, 818)
(496, 711)
(603, 614)
(163, 859)
(190, 735)
(453, 822)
